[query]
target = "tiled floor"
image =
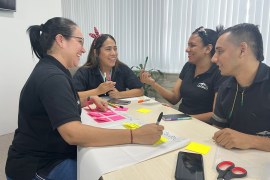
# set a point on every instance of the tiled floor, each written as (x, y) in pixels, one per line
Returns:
(5, 142)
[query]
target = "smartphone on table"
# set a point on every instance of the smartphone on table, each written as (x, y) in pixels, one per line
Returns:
(119, 101)
(175, 117)
(189, 166)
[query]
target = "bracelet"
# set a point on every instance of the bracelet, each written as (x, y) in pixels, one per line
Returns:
(131, 137)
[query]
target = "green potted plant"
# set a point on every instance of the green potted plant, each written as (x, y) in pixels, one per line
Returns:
(156, 74)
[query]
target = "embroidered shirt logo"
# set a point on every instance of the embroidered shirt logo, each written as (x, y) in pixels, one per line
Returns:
(203, 86)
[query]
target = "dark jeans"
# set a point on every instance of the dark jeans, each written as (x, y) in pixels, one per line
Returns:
(66, 170)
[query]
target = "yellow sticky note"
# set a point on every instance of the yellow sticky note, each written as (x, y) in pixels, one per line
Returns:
(199, 148)
(143, 110)
(131, 125)
(135, 126)
(161, 140)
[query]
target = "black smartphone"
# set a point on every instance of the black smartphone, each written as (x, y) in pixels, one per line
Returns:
(189, 166)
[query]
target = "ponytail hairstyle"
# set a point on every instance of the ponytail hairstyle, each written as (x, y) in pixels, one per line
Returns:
(209, 36)
(42, 36)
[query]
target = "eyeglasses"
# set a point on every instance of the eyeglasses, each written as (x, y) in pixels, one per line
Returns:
(80, 38)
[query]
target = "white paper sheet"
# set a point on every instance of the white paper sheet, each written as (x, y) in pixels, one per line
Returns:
(94, 162)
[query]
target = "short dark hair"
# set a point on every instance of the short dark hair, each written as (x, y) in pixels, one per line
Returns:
(92, 59)
(209, 36)
(248, 33)
(42, 36)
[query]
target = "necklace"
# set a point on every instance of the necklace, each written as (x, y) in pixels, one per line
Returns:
(235, 96)
(106, 77)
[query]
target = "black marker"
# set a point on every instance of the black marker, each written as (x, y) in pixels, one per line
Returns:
(159, 118)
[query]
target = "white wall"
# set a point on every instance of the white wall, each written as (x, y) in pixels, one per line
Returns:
(15, 53)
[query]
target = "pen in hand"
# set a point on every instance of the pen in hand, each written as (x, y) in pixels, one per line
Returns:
(159, 118)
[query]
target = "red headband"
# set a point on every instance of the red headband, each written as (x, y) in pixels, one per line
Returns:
(95, 35)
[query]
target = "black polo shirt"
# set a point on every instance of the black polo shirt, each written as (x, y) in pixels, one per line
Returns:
(198, 92)
(47, 101)
(87, 78)
(251, 112)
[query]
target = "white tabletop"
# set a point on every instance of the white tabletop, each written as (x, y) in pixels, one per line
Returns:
(163, 166)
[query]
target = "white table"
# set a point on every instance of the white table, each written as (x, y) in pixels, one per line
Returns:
(163, 167)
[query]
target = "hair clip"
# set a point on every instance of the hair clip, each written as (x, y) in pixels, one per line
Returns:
(201, 29)
(95, 35)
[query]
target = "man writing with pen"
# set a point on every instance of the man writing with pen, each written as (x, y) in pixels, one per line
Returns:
(103, 73)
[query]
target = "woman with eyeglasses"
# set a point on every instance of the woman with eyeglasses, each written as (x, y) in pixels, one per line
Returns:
(104, 74)
(49, 122)
(199, 79)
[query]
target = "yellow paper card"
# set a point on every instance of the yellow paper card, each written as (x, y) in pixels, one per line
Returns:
(199, 148)
(143, 110)
(131, 125)
(161, 140)
(135, 126)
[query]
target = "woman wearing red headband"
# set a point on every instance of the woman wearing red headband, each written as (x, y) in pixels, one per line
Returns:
(104, 74)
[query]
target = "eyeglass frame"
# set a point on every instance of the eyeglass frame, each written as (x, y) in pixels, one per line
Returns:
(81, 38)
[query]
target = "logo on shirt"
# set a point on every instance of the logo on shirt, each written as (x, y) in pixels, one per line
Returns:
(203, 86)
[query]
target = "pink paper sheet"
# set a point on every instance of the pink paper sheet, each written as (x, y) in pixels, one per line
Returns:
(102, 120)
(121, 109)
(116, 118)
(103, 117)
